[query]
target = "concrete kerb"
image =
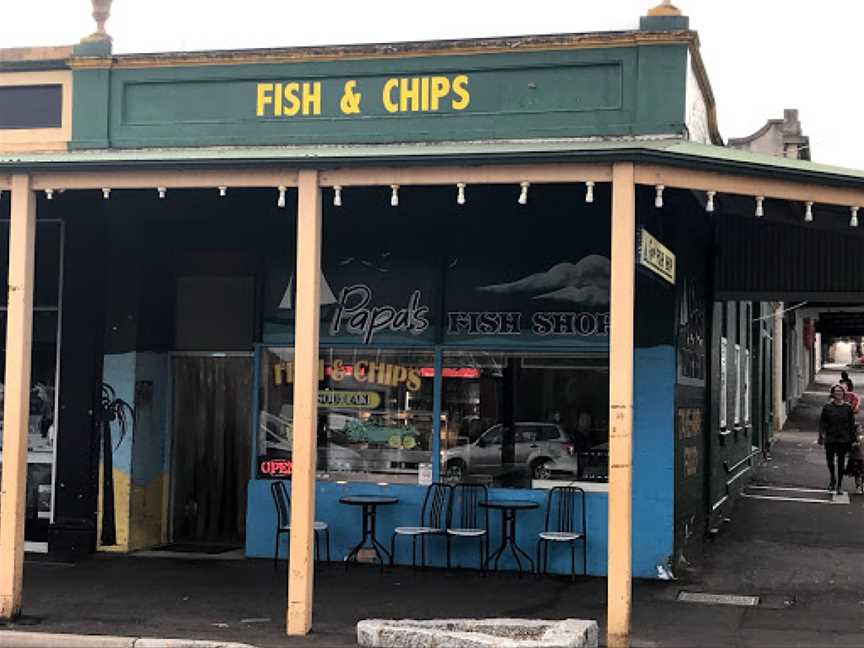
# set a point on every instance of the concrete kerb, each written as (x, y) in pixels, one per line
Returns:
(477, 633)
(18, 639)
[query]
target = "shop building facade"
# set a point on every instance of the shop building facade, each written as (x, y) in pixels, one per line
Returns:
(469, 194)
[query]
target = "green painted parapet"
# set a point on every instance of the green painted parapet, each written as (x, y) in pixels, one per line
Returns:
(557, 93)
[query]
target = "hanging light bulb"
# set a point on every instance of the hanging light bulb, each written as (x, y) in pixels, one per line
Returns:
(808, 212)
(460, 193)
(589, 192)
(658, 198)
(162, 191)
(223, 191)
(280, 202)
(523, 193)
(760, 210)
(853, 222)
(49, 194)
(337, 196)
(106, 193)
(709, 204)
(394, 195)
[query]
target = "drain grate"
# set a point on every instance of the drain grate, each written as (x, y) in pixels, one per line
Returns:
(717, 599)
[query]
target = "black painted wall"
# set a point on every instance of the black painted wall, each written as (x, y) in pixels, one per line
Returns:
(84, 275)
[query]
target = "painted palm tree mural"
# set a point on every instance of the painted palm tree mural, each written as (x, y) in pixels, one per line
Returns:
(111, 410)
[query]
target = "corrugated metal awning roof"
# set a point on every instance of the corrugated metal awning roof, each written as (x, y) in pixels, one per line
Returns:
(669, 151)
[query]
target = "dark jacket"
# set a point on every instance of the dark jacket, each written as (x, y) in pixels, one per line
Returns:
(837, 423)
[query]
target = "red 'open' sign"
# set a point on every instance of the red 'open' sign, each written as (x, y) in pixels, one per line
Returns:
(276, 467)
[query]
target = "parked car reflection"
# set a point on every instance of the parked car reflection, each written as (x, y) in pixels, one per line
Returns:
(543, 448)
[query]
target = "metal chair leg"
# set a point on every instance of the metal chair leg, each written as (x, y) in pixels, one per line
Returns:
(423, 551)
(276, 553)
(539, 557)
(414, 552)
(447, 539)
(392, 548)
(327, 540)
(546, 547)
(573, 561)
(585, 555)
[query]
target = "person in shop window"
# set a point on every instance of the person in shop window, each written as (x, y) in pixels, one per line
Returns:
(837, 433)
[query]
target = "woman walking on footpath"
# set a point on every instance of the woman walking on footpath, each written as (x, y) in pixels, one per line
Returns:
(836, 433)
(846, 381)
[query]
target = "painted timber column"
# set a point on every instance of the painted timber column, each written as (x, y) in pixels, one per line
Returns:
(777, 373)
(16, 407)
(301, 563)
(621, 298)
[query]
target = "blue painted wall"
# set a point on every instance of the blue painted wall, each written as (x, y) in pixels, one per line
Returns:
(653, 459)
(653, 496)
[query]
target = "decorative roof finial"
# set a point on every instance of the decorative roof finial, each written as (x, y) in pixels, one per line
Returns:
(101, 13)
(665, 8)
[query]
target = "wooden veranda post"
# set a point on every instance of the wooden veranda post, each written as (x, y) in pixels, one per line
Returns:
(301, 559)
(621, 404)
(16, 407)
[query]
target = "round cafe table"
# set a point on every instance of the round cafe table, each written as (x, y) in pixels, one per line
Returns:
(509, 509)
(370, 503)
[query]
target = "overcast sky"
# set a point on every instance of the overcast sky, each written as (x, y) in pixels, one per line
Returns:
(762, 55)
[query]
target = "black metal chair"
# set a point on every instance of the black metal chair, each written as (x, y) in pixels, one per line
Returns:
(560, 527)
(433, 521)
(466, 518)
(282, 501)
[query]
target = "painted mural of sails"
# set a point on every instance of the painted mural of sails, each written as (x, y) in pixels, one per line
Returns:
(585, 283)
(327, 296)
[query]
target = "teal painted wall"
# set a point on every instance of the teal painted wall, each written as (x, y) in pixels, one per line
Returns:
(539, 94)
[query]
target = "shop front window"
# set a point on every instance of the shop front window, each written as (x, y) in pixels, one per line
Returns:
(42, 427)
(524, 420)
(374, 414)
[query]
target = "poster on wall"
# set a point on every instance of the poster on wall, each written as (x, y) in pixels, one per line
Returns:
(747, 371)
(691, 332)
(724, 374)
(738, 384)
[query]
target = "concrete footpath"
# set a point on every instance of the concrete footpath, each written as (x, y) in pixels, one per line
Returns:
(804, 560)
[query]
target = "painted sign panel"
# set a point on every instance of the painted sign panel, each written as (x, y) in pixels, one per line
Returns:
(491, 274)
(503, 93)
(293, 99)
(655, 256)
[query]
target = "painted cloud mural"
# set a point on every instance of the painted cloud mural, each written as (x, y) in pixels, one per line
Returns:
(585, 282)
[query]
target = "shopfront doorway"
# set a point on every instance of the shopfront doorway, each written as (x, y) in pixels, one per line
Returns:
(210, 459)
